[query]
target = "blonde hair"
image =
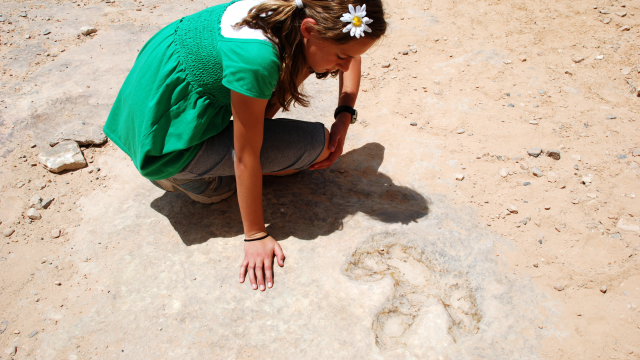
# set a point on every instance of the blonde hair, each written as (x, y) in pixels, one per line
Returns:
(280, 22)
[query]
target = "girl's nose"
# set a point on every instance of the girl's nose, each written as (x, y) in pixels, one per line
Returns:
(344, 64)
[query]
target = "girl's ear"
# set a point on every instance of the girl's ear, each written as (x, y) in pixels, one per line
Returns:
(307, 28)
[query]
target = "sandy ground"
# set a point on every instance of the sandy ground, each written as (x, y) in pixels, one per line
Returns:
(487, 82)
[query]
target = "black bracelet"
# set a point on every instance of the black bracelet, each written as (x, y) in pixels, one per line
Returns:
(260, 238)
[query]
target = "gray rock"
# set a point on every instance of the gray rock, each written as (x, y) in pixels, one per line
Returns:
(526, 183)
(23, 14)
(46, 203)
(34, 333)
(33, 214)
(554, 154)
(88, 30)
(510, 105)
(611, 117)
(80, 133)
(537, 172)
(8, 232)
(460, 131)
(35, 202)
(535, 152)
(603, 289)
(558, 287)
(55, 233)
(3, 326)
(64, 156)
(621, 156)
(46, 32)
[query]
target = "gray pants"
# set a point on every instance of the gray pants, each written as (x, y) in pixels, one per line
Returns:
(287, 145)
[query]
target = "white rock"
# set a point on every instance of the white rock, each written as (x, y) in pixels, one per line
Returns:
(11, 351)
(524, 166)
(55, 233)
(552, 176)
(88, 30)
(64, 156)
(459, 177)
(558, 287)
(512, 209)
(80, 133)
(603, 289)
(599, 57)
(8, 232)
(586, 180)
(35, 202)
(537, 172)
(626, 225)
(578, 59)
(460, 131)
(33, 214)
(504, 172)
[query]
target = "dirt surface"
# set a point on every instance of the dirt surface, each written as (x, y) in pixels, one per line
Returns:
(539, 266)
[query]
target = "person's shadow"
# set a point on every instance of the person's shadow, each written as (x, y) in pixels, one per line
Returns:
(303, 205)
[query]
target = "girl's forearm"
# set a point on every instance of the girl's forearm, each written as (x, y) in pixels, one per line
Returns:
(249, 186)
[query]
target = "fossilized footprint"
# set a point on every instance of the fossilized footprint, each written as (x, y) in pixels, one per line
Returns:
(421, 279)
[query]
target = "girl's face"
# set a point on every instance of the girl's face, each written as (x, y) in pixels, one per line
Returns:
(326, 56)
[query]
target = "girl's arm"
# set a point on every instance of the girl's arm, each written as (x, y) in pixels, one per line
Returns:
(348, 90)
(248, 125)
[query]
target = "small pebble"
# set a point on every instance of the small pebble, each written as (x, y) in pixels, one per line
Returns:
(554, 154)
(605, 12)
(599, 57)
(33, 333)
(603, 289)
(58, 283)
(503, 172)
(526, 183)
(558, 287)
(8, 232)
(510, 105)
(537, 172)
(386, 65)
(413, 123)
(459, 177)
(625, 28)
(11, 351)
(405, 52)
(547, 207)
(606, 20)
(46, 32)
(55, 233)
(535, 152)
(611, 117)
(33, 214)
(460, 131)
(512, 209)
(578, 59)
(16, 331)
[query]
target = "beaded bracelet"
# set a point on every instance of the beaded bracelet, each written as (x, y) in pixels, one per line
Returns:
(260, 238)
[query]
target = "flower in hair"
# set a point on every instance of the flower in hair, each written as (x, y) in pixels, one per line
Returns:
(357, 21)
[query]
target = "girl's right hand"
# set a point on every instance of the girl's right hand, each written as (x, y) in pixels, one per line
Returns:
(258, 262)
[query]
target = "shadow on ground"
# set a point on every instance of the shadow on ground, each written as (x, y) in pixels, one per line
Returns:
(304, 205)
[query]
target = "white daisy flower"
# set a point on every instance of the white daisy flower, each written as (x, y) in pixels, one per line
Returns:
(357, 20)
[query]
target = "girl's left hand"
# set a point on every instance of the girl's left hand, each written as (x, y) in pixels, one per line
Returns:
(336, 141)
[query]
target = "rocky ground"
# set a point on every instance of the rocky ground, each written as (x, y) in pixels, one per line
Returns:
(496, 157)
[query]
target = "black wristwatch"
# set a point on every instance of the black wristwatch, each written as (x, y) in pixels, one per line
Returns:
(349, 109)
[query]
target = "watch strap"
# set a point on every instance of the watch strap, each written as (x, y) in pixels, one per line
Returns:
(344, 108)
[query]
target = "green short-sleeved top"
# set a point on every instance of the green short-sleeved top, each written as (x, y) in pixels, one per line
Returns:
(178, 92)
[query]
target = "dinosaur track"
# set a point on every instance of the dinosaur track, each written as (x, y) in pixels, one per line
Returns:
(421, 280)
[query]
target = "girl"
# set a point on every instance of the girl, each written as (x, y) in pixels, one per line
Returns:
(245, 59)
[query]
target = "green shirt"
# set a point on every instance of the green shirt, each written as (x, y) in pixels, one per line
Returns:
(178, 92)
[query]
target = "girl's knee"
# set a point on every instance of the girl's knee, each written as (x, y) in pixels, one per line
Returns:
(325, 152)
